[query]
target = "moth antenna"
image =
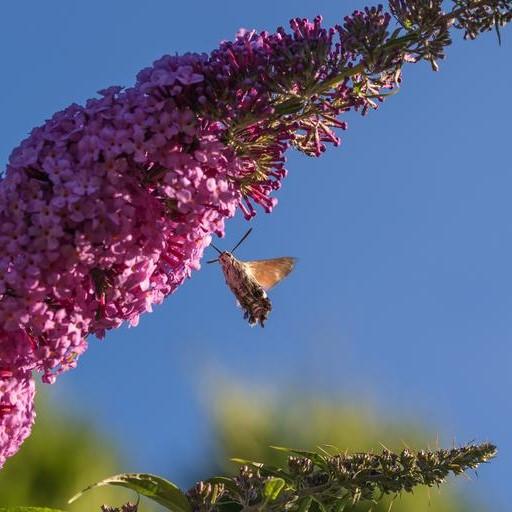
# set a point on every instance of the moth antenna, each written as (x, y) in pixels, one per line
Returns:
(212, 261)
(241, 240)
(218, 250)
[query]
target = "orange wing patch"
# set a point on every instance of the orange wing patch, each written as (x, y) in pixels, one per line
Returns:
(270, 272)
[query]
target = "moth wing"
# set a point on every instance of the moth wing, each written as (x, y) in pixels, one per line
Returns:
(270, 272)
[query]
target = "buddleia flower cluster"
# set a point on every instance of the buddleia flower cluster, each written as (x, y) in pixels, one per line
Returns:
(107, 207)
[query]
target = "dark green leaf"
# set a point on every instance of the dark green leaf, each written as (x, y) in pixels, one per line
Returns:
(304, 504)
(320, 506)
(228, 506)
(153, 487)
(340, 506)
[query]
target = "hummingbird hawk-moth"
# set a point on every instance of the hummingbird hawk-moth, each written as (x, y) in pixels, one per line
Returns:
(250, 280)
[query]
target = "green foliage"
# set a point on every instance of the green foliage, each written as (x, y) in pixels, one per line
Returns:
(272, 488)
(248, 423)
(158, 489)
(312, 481)
(61, 456)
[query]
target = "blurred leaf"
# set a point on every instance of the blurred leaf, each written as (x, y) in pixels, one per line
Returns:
(153, 487)
(245, 462)
(29, 509)
(63, 453)
(272, 488)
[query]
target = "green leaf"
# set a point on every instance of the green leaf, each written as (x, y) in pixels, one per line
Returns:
(304, 453)
(277, 472)
(29, 509)
(340, 506)
(272, 488)
(158, 489)
(245, 462)
(304, 504)
(228, 506)
(320, 506)
(384, 94)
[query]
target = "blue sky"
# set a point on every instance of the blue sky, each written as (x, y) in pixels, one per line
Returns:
(402, 297)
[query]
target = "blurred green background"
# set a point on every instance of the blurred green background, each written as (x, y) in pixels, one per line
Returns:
(62, 456)
(247, 423)
(65, 455)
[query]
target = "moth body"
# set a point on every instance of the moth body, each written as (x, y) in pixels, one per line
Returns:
(250, 295)
(250, 280)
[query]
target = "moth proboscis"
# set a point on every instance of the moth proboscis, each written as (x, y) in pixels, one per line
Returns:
(250, 280)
